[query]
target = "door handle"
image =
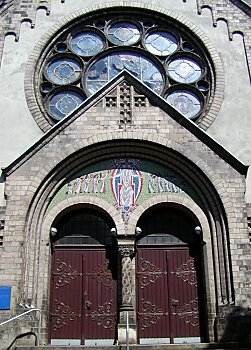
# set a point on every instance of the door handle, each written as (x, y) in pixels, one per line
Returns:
(175, 302)
(88, 304)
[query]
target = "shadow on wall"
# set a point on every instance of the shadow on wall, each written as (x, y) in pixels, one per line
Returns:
(13, 344)
(236, 326)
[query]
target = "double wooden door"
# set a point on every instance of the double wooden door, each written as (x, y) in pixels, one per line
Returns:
(167, 296)
(83, 297)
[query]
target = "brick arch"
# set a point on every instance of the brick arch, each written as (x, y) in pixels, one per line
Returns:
(38, 240)
(82, 201)
(154, 140)
(38, 230)
(179, 200)
(207, 258)
(30, 91)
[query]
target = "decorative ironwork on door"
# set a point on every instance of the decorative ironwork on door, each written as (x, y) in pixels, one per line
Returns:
(150, 314)
(63, 315)
(148, 273)
(104, 315)
(83, 297)
(167, 295)
(102, 275)
(187, 272)
(64, 273)
(189, 312)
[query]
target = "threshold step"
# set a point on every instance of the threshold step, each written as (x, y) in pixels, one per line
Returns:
(201, 346)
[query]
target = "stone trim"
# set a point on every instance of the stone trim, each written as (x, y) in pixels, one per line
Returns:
(83, 201)
(155, 141)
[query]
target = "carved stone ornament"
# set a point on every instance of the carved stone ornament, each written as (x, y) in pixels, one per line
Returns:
(126, 251)
(64, 315)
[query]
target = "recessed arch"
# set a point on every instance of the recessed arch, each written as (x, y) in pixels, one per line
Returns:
(79, 202)
(168, 242)
(177, 201)
(210, 211)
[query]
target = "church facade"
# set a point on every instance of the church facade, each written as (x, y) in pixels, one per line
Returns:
(125, 187)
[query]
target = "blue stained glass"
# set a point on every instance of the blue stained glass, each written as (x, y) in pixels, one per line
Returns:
(63, 71)
(123, 33)
(63, 103)
(184, 70)
(161, 43)
(111, 65)
(186, 102)
(86, 44)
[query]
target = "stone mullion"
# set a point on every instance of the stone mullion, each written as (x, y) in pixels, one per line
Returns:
(125, 253)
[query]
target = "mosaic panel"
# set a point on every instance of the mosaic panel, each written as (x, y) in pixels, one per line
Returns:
(125, 183)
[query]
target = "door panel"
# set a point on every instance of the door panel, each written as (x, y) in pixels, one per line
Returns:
(100, 297)
(83, 296)
(66, 301)
(182, 284)
(167, 296)
(153, 313)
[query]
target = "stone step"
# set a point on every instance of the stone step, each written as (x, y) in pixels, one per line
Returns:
(204, 346)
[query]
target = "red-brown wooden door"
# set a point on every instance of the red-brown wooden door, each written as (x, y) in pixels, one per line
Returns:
(167, 296)
(83, 298)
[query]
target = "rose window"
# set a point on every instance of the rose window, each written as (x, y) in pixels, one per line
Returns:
(90, 54)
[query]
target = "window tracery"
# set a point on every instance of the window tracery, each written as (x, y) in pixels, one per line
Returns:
(88, 55)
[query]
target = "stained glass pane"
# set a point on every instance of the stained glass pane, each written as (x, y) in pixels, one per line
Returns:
(184, 70)
(161, 43)
(86, 44)
(111, 65)
(63, 103)
(123, 33)
(186, 102)
(63, 71)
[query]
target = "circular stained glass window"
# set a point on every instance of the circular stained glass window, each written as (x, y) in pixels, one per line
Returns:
(63, 70)
(186, 102)
(185, 70)
(62, 102)
(92, 52)
(112, 64)
(123, 33)
(161, 43)
(86, 43)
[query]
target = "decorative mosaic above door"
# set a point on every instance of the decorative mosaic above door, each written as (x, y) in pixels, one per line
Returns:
(125, 183)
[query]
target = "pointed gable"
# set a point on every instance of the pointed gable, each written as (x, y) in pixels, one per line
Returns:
(124, 104)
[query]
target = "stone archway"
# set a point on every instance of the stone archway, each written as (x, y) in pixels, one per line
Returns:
(84, 274)
(170, 288)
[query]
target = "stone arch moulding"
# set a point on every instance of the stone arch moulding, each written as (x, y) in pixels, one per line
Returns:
(39, 53)
(81, 202)
(37, 229)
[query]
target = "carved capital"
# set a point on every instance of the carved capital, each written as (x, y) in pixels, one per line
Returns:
(126, 251)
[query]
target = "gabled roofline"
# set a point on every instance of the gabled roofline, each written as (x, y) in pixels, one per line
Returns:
(244, 5)
(153, 98)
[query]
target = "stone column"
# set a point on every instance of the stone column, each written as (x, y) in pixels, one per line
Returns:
(125, 253)
(127, 311)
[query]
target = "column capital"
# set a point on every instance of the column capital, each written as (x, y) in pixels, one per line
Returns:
(126, 250)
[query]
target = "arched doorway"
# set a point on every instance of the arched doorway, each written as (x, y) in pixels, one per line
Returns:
(83, 305)
(170, 301)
